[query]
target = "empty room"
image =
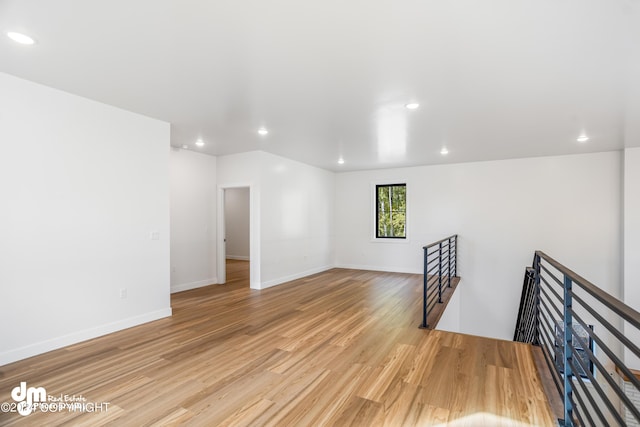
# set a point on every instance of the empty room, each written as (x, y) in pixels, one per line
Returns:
(281, 213)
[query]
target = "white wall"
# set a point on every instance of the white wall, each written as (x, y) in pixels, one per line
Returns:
(297, 219)
(84, 187)
(236, 212)
(567, 206)
(193, 219)
(291, 214)
(632, 182)
(632, 241)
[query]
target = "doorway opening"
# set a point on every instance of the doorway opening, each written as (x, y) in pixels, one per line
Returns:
(238, 258)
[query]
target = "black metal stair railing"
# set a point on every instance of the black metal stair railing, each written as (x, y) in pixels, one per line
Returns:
(440, 267)
(584, 335)
(526, 323)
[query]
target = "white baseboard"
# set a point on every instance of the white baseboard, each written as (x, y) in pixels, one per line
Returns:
(193, 285)
(381, 268)
(76, 337)
(291, 277)
(238, 257)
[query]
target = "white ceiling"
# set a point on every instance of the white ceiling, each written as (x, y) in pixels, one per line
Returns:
(495, 78)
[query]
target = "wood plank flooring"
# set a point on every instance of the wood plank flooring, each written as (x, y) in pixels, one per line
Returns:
(339, 348)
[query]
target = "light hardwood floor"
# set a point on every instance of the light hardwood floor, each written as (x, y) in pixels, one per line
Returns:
(338, 348)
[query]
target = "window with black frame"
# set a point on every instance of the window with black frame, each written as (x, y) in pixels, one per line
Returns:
(391, 211)
(578, 352)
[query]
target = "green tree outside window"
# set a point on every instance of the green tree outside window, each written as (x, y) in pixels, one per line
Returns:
(391, 211)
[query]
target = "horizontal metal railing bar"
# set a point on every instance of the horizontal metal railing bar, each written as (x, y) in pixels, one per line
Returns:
(439, 284)
(552, 368)
(588, 394)
(433, 279)
(542, 301)
(578, 409)
(601, 392)
(548, 330)
(555, 350)
(432, 268)
(528, 315)
(608, 326)
(432, 297)
(555, 293)
(529, 303)
(551, 350)
(602, 346)
(550, 273)
(435, 257)
(432, 287)
(627, 313)
(435, 251)
(454, 236)
(603, 371)
(587, 349)
(432, 261)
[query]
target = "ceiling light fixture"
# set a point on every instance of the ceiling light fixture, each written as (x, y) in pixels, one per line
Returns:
(200, 143)
(263, 131)
(582, 138)
(412, 105)
(444, 151)
(341, 161)
(20, 38)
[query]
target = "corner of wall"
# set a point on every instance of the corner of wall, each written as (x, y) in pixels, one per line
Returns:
(193, 285)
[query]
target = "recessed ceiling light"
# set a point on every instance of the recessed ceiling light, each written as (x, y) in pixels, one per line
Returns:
(263, 131)
(582, 138)
(200, 143)
(20, 38)
(444, 151)
(412, 105)
(341, 161)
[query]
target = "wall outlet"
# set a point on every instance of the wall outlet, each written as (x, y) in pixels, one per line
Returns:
(123, 293)
(154, 235)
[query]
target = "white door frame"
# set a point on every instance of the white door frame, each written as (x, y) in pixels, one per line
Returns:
(254, 234)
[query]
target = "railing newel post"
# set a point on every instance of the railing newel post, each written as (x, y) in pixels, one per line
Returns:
(440, 272)
(536, 279)
(424, 290)
(449, 262)
(568, 353)
(455, 264)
